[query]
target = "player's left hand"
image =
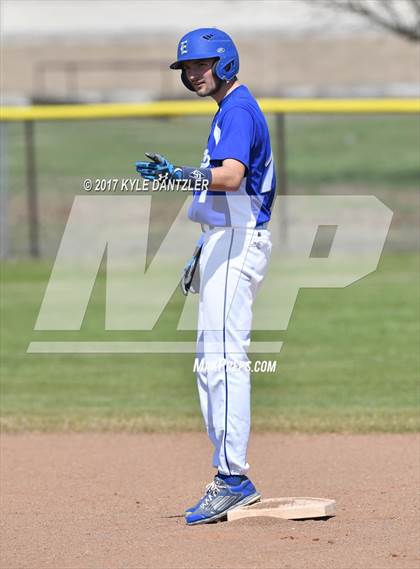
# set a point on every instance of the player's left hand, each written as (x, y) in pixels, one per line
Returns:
(159, 169)
(190, 279)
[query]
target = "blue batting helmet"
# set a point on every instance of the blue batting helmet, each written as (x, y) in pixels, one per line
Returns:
(208, 43)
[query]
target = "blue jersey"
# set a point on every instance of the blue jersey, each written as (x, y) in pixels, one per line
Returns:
(239, 131)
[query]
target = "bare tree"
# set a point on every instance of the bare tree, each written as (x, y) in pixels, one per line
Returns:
(399, 16)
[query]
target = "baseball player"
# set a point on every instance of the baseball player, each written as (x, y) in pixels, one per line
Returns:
(234, 251)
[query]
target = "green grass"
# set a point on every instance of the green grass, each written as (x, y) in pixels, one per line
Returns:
(325, 155)
(350, 357)
(368, 150)
(371, 151)
(349, 363)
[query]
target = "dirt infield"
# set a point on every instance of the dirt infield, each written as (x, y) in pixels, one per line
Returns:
(96, 501)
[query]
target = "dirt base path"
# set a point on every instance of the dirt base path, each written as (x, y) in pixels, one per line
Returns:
(96, 501)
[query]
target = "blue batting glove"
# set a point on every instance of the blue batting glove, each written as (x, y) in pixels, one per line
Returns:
(159, 169)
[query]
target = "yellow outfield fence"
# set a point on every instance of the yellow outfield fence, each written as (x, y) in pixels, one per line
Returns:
(183, 108)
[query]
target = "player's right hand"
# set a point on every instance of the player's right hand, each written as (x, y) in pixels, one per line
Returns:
(159, 169)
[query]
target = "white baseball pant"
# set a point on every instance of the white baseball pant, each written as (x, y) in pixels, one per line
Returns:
(233, 263)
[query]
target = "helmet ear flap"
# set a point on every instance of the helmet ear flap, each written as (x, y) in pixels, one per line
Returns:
(216, 75)
(185, 80)
(215, 69)
(223, 70)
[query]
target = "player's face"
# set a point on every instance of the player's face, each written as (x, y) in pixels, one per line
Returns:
(199, 74)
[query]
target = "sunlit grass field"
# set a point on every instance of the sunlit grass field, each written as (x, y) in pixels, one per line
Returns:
(350, 358)
(372, 150)
(349, 362)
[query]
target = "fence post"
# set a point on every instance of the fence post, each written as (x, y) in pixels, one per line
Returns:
(31, 185)
(281, 172)
(4, 197)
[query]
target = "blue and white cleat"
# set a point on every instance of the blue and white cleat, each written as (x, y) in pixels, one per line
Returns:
(221, 497)
(192, 508)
